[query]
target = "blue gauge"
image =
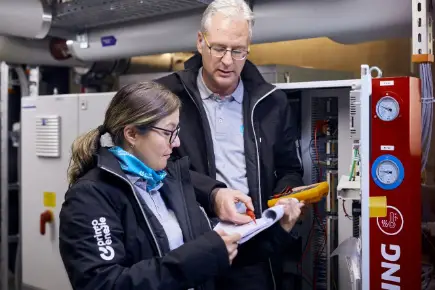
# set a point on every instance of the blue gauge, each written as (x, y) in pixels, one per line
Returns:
(387, 172)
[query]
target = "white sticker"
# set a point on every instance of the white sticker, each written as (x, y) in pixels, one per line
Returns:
(387, 148)
(386, 83)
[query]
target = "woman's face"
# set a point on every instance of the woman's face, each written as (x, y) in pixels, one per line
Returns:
(155, 146)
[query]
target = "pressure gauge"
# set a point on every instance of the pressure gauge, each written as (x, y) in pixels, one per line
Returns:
(387, 108)
(387, 172)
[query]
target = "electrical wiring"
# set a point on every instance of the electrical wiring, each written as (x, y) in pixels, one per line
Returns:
(345, 211)
(427, 101)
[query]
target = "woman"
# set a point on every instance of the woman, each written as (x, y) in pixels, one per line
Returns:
(130, 219)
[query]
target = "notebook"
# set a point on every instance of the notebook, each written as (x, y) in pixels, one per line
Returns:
(250, 230)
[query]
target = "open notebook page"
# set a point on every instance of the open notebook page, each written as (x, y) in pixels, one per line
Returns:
(249, 230)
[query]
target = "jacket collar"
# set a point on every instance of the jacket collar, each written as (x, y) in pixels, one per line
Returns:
(253, 81)
(106, 160)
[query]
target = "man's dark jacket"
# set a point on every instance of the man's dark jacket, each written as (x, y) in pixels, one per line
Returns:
(271, 158)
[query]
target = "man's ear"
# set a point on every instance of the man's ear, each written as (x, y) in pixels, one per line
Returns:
(130, 135)
(199, 42)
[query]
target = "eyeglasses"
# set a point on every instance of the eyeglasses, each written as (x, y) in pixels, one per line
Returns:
(220, 51)
(171, 134)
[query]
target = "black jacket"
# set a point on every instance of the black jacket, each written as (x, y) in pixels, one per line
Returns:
(107, 240)
(270, 134)
(270, 152)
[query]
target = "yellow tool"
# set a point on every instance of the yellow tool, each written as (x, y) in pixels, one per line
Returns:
(311, 194)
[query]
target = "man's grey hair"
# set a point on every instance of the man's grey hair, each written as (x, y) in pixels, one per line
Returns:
(230, 9)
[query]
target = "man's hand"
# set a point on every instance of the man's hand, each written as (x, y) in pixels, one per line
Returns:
(225, 205)
(307, 207)
(292, 211)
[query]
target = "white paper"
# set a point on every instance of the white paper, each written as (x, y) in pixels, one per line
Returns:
(249, 230)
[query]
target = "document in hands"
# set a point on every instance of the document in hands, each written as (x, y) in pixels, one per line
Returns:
(249, 230)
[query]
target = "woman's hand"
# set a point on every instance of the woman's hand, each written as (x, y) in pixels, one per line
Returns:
(292, 212)
(231, 243)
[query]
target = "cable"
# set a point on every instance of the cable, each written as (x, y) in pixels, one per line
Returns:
(427, 111)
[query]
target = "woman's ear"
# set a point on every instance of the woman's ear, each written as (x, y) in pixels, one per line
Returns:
(130, 135)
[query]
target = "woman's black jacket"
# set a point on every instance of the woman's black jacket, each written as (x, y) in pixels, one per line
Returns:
(108, 240)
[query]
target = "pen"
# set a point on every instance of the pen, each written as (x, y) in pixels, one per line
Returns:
(251, 214)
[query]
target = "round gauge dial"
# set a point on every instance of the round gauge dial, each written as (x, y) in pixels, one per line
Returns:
(387, 172)
(387, 108)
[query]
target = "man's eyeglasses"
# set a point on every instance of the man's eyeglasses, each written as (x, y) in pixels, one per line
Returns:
(220, 51)
(171, 134)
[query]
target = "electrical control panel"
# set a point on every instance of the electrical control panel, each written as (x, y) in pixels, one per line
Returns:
(395, 164)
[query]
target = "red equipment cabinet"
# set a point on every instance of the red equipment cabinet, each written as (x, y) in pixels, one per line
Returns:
(395, 162)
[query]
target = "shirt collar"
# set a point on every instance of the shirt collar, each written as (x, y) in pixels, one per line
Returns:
(133, 179)
(206, 93)
(141, 183)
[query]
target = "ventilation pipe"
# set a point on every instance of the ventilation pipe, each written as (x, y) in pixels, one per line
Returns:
(36, 52)
(166, 62)
(25, 18)
(352, 20)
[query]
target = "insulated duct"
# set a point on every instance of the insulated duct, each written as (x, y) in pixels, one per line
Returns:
(25, 18)
(352, 20)
(33, 52)
(166, 62)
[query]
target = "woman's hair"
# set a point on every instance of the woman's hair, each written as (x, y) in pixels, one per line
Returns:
(141, 104)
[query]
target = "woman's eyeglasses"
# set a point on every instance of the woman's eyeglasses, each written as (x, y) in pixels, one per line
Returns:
(172, 134)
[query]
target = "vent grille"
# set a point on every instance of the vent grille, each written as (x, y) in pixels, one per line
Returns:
(47, 136)
(79, 15)
(354, 114)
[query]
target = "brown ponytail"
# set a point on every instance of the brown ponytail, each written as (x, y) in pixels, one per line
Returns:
(83, 149)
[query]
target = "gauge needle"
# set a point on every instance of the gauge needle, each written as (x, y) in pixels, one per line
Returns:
(386, 108)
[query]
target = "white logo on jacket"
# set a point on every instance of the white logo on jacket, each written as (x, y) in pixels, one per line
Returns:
(103, 238)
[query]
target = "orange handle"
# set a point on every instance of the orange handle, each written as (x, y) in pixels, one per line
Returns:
(46, 217)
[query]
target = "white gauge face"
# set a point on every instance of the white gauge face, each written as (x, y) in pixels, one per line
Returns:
(387, 109)
(387, 172)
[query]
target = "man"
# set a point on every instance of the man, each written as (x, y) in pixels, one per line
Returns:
(236, 128)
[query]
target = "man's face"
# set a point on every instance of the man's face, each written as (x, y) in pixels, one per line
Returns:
(222, 73)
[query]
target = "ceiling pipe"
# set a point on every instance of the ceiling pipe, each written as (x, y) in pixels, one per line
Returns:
(15, 50)
(166, 62)
(352, 20)
(25, 18)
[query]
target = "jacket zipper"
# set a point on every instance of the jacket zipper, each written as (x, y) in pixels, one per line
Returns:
(205, 215)
(256, 146)
(143, 213)
(189, 224)
(258, 169)
(200, 287)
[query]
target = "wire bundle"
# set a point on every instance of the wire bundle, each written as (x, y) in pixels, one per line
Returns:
(427, 111)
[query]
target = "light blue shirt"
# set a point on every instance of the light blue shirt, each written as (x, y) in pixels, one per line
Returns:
(165, 216)
(225, 116)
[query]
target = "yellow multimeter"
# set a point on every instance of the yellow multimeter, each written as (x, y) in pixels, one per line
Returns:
(311, 194)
